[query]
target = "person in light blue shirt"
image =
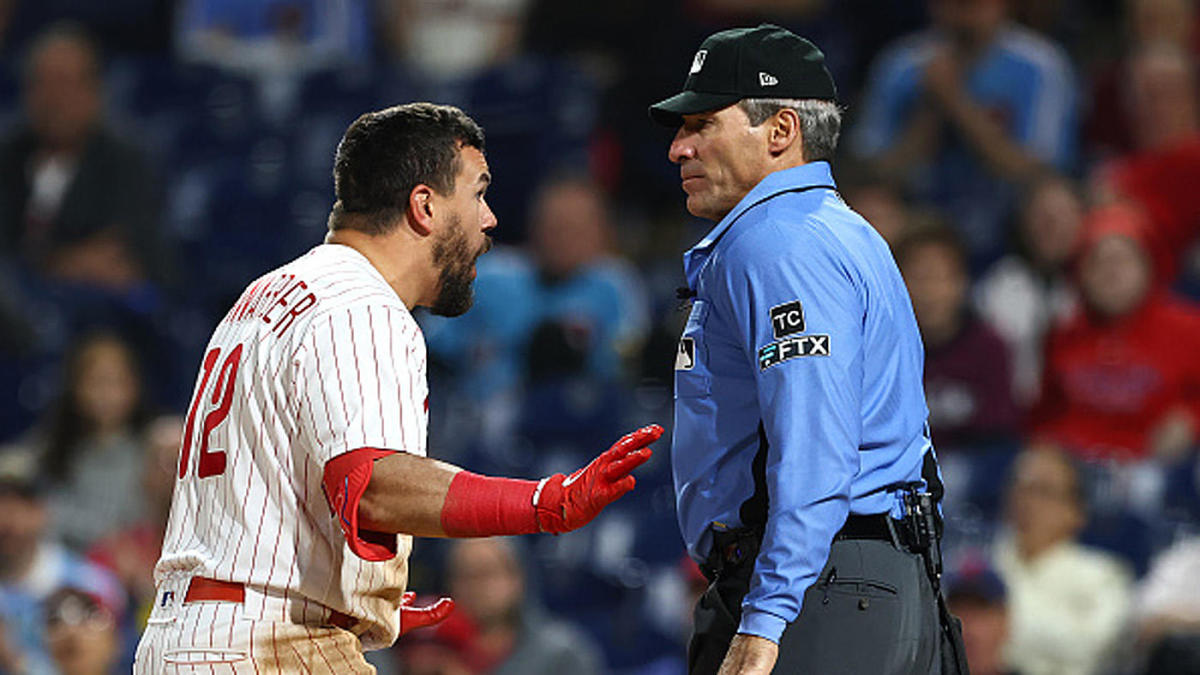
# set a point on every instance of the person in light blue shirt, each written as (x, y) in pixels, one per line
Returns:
(800, 422)
(967, 111)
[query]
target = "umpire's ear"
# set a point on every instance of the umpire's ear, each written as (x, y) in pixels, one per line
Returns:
(420, 209)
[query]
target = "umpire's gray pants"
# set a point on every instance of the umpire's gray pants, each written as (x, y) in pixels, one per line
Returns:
(872, 611)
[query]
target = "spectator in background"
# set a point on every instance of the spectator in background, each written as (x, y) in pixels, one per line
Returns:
(967, 109)
(1162, 173)
(33, 566)
(1167, 611)
(131, 552)
(1122, 377)
(976, 595)
(877, 198)
(273, 35)
(429, 652)
(968, 385)
(495, 628)
(77, 203)
(91, 444)
(1028, 291)
(448, 39)
(566, 282)
(274, 42)
(1110, 127)
(1068, 604)
(81, 633)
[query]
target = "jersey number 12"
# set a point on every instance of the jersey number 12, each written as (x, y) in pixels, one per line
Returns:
(210, 463)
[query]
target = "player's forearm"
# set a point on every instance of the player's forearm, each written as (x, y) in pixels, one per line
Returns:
(406, 495)
(424, 497)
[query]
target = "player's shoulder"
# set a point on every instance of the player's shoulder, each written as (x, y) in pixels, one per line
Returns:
(342, 277)
(347, 287)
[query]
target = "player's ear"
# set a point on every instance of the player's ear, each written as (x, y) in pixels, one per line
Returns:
(420, 209)
(783, 131)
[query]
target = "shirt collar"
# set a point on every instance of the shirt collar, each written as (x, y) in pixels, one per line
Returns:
(812, 174)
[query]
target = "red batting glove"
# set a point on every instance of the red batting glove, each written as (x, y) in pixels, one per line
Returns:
(412, 618)
(565, 503)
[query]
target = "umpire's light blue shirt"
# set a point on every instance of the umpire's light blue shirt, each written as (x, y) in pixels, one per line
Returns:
(801, 326)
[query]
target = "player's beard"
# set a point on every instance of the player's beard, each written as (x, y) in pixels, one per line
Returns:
(451, 252)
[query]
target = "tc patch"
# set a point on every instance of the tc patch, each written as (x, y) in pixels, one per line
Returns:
(785, 350)
(787, 319)
(685, 358)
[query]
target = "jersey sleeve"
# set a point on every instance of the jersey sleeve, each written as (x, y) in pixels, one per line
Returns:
(345, 480)
(361, 382)
(800, 317)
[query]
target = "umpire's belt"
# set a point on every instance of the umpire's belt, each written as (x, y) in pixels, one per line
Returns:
(734, 548)
(203, 589)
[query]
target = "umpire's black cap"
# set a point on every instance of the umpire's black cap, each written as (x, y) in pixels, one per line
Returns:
(762, 62)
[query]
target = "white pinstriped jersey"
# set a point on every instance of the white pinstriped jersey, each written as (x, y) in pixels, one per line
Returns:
(317, 358)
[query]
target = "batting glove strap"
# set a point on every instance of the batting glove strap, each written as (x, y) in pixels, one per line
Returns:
(548, 505)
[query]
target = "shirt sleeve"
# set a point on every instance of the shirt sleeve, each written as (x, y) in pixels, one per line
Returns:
(796, 303)
(361, 382)
(1048, 124)
(890, 91)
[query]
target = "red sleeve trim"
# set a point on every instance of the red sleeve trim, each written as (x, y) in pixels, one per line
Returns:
(346, 479)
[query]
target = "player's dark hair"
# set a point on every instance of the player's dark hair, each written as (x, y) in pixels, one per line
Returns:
(385, 154)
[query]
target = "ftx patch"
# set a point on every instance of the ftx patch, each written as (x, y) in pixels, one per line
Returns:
(791, 348)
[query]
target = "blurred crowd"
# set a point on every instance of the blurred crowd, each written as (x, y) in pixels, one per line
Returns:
(1034, 164)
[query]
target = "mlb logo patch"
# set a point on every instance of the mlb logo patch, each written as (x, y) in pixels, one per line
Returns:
(685, 358)
(698, 61)
(787, 319)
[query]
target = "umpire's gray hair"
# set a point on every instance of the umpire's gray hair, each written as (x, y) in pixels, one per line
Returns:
(820, 122)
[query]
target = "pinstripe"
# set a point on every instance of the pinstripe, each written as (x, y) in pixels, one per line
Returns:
(295, 403)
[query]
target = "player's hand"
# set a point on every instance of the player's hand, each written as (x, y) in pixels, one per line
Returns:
(412, 618)
(565, 503)
(749, 655)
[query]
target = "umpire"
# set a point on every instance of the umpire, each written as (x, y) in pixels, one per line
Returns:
(806, 482)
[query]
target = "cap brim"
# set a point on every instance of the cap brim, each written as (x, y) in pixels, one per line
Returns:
(669, 112)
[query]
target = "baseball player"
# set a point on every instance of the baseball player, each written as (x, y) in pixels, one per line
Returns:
(806, 484)
(302, 472)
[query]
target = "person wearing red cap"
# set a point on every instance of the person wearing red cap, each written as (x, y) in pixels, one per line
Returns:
(1161, 173)
(1123, 373)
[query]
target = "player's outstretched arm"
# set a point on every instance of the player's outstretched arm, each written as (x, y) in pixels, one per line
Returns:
(425, 497)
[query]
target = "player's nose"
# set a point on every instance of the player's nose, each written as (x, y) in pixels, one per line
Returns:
(489, 218)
